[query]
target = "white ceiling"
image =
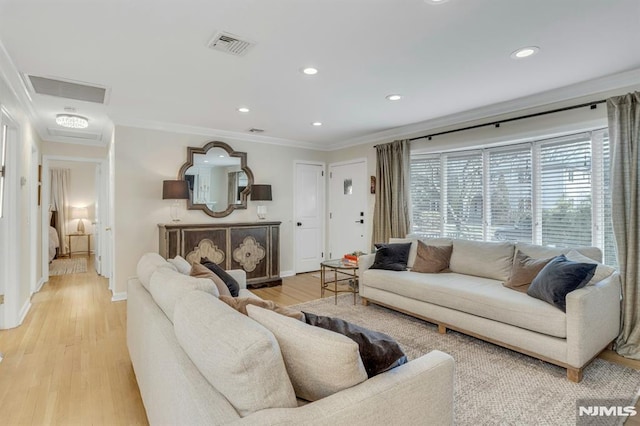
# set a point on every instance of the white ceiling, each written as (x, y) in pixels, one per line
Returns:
(444, 59)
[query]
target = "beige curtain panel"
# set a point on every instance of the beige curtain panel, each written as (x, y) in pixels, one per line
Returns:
(624, 136)
(60, 179)
(391, 211)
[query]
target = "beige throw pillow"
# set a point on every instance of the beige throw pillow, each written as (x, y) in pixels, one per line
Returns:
(602, 271)
(240, 304)
(201, 271)
(432, 259)
(524, 270)
(319, 362)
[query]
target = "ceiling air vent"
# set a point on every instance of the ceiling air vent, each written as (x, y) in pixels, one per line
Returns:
(230, 43)
(254, 130)
(66, 89)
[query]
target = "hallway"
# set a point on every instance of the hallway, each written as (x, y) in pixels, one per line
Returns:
(68, 362)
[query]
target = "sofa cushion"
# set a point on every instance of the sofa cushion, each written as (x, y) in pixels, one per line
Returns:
(559, 278)
(546, 251)
(431, 259)
(439, 242)
(229, 281)
(167, 287)
(392, 257)
(319, 362)
(483, 297)
(482, 259)
(181, 264)
(148, 264)
(602, 271)
(240, 304)
(379, 352)
(238, 356)
(524, 270)
(201, 271)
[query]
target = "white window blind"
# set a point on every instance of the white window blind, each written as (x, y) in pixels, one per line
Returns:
(510, 194)
(552, 192)
(463, 197)
(565, 192)
(426, 195)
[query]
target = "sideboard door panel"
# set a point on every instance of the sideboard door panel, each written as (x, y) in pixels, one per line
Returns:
(209, 243)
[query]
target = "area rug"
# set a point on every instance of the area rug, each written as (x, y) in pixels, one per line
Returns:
(494, 385)
(68, 266)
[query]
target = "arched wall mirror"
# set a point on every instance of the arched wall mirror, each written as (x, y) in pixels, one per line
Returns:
(219, 179)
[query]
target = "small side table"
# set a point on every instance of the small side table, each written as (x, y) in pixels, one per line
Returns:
(344, 268)
(80, 235)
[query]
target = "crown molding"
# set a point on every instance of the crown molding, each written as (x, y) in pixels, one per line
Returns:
(586, 88)
(214, 133)
(10, 74)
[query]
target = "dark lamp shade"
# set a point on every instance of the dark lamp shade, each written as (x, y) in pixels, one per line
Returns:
(175, 190)
(261, 193)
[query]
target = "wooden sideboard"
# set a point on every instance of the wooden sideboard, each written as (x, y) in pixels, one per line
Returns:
(254, 247)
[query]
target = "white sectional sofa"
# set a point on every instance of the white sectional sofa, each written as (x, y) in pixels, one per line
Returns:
(166, 315)
(470, 298)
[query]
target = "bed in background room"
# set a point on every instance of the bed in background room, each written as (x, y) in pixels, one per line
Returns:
(54, 241)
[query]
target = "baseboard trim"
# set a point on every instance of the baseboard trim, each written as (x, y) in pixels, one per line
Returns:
(118, 297)
(285, 274)
(24, 311)
(41, 282)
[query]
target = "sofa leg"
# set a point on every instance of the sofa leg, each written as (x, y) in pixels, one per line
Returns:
(365, 302)
(442, 329)
(574, 374)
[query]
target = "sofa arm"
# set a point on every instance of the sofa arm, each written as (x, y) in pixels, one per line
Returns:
(364, 262)
(419, 392)
(239, 275)
(593, 319)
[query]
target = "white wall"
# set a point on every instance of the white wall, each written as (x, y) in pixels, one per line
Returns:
(27, 138)
(82, 193)
(144, 158)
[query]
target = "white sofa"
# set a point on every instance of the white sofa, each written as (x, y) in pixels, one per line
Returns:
(175, 391)
(471, 299)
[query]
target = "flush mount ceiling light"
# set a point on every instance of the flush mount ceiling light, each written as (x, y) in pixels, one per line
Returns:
(310, 71)
(435, 1)
(243, 109)
(525, 52)
(316, 123)
(394, 97)
(72, 121)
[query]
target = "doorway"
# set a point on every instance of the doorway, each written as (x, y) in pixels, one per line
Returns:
(309, 215)
(348, 207)
(88, 217)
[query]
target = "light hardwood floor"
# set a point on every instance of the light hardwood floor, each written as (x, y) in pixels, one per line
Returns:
(68, 362)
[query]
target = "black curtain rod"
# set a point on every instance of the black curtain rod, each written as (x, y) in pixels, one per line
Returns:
(592, 105)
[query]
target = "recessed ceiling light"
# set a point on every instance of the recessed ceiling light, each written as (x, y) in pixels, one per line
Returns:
(394, 97)
(221, 156)
(310, 71)
(243, 109)
(525, 52)
(206, 161)
(316, 123)
(72, 121)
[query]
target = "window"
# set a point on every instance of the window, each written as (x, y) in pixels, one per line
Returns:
(3, 156)
(551, 192)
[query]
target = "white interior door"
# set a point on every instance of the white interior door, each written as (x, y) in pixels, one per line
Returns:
(309, 216)
(347, 207)
(97, 224)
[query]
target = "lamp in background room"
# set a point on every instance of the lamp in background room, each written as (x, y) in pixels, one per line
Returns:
(261, 193)
(80, 213)
(175, 190)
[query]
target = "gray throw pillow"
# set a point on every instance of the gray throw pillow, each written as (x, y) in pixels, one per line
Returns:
(392, 257)
(559, 278)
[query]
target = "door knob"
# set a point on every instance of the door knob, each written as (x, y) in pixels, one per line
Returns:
(299, 223)
(360, 221)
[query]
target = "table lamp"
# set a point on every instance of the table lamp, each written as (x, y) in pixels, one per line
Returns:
(261, 193)
(175, 190)
(80, 213)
